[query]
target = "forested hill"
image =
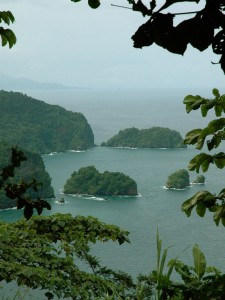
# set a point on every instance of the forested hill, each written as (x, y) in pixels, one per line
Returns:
(31, 168)
(41, 127)
(155, 137)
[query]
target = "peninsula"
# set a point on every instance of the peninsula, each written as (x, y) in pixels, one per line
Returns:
(89, 181)
(41, 127)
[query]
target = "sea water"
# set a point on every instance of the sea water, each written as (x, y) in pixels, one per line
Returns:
(154, 207)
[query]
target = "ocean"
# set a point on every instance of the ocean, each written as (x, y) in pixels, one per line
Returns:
(155, 207)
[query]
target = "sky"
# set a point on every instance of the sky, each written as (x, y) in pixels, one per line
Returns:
(69, 43)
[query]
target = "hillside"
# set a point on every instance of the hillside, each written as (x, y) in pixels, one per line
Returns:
(33, 167)
(37, 126)
(89, 181)
(155, 137)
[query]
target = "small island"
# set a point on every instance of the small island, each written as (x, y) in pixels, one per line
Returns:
(155, 137)
(199, 180)
(178, 180)
(89, 181)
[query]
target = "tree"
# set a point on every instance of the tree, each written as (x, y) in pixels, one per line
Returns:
(16, 191)
(67, 238)
(178, 180)
(43, 253)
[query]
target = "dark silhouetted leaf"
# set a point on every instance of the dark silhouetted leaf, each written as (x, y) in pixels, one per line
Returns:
(171, 2)
(94, 3)
(218, 44)
(139, 6)
(28, 211)
(143, 36)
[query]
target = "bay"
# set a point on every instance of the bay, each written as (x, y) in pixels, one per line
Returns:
(108, 112)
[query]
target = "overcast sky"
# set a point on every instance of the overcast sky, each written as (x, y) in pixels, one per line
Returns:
(69, 43)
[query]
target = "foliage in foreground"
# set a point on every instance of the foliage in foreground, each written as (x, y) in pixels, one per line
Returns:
(17, 191)
(45, 252)
(32, 167)
(211, 136)
(53, 254)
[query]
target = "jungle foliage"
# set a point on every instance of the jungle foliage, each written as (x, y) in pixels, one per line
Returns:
(155, 137)
(17, 191)
(212, 136)
(52, 254)
(178, 180)
(41, 252)
(33, 167)
(40, 127)
(89, 181)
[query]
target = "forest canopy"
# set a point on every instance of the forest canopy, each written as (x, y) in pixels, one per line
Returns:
(178, 180)
(37, 126)
(89, 181)
(32, 168)
(155, 137)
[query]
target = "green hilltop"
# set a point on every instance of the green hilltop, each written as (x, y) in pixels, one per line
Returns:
(155, 137)
(37, 126)
(89, 181)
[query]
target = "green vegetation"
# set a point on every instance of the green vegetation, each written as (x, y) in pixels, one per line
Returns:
(40, 127)
(33, 167)
(46, 253)
(178, 180)
(200, 179)
(212, 135)
(41, 252)
(155, 137)
(89, 181)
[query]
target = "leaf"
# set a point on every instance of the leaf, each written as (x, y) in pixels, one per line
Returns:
(219, 160)
(189, 204)
(218, 110)
(202, 200)
(216, 92)
(201, 160)
(28, 211)
(139, 6)
(143, 36)
(201, 209)
(218, 214)
(199, 262)
(192, 136)
(218, 44)
(202, 37)
(94, 3)
(171, 2)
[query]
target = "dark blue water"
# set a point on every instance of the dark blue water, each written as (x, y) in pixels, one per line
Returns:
(155, 206)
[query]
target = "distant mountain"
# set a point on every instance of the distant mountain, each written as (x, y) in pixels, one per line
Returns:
(40, 127)
(21, 83)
